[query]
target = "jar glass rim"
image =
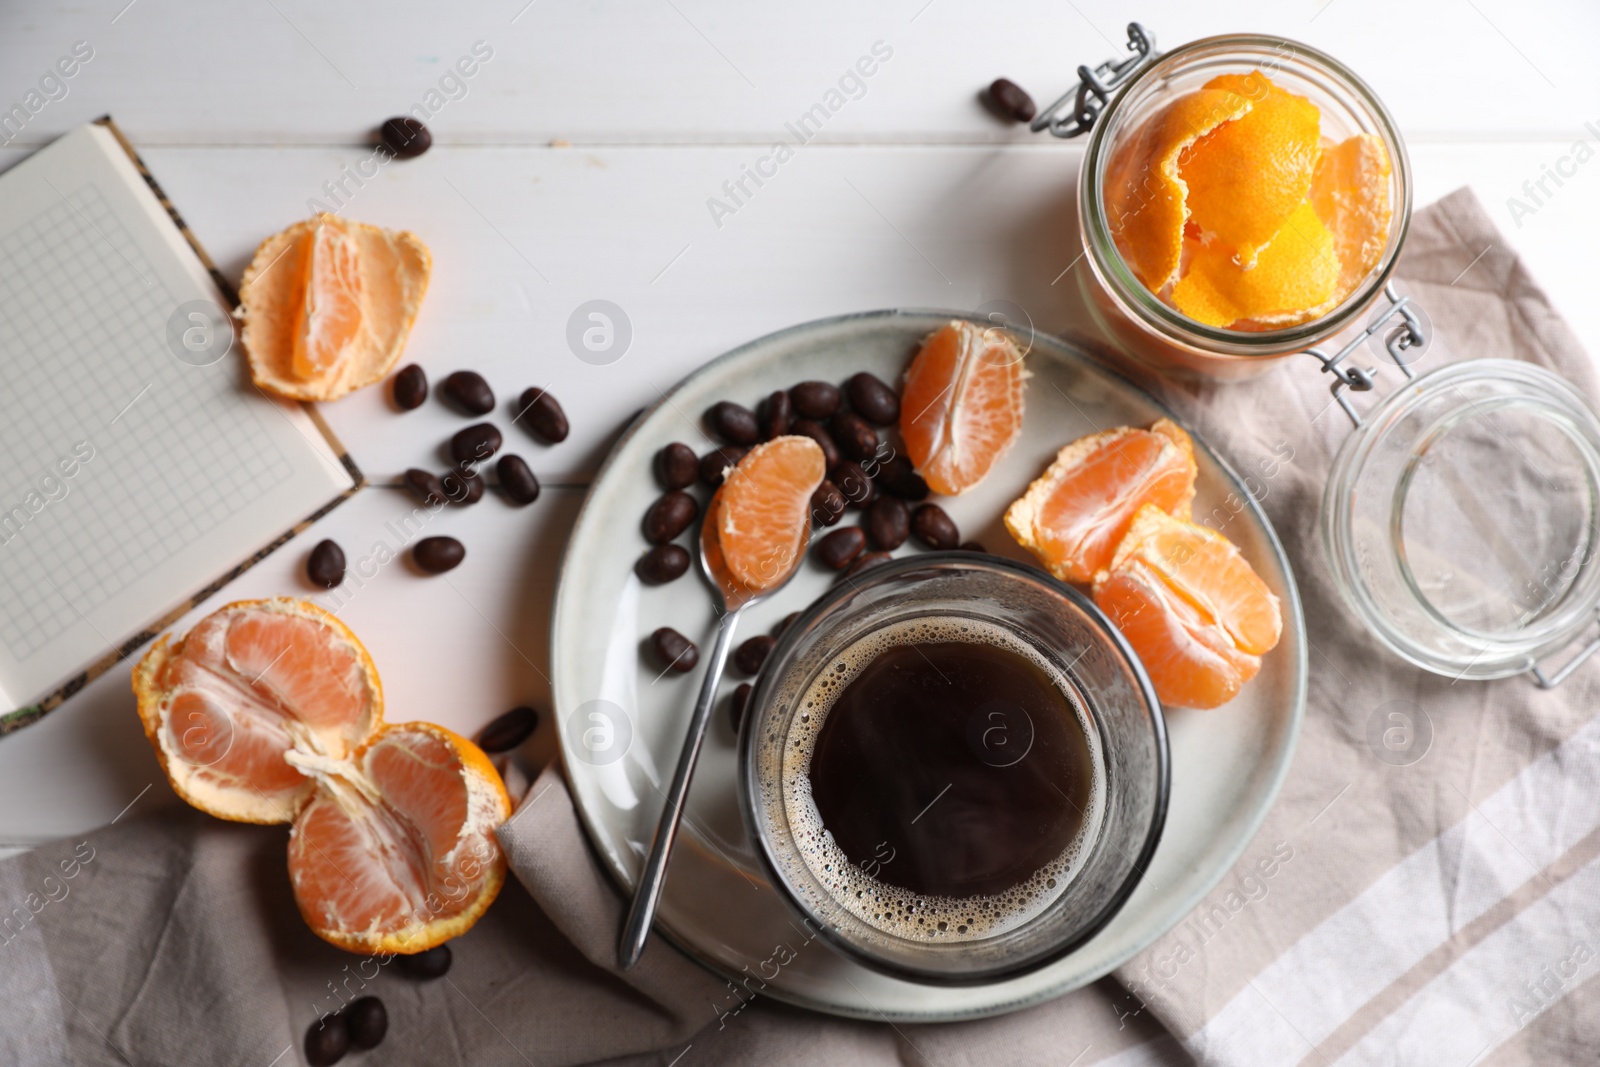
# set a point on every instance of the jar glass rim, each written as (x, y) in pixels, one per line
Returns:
(1107, 262)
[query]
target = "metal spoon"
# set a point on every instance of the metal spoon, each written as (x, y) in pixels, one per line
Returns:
(733, 598)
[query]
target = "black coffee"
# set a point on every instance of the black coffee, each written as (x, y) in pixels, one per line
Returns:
(952, 768)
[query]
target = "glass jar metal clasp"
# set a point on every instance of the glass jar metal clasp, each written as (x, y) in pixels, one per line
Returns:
(1095, 86)
(1405, 335)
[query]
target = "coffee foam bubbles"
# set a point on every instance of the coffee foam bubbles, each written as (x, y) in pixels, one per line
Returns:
(888, 908)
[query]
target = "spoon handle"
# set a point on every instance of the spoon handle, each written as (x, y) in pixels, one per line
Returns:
(651, 880)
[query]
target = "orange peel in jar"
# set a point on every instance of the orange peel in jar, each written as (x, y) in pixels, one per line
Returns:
(1293, 278)
(1351, 195)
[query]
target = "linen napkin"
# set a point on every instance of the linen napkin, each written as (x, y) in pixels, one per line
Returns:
(1440, 911)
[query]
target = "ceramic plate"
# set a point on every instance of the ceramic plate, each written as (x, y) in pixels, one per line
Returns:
(622, 722)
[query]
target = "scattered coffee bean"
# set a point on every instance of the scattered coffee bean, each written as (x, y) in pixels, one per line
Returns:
(677, 466)
(784, 623)
(475, 444)
(839, 549)
(857, 439)
(827, 504)
(819, 433)
(410, 387)
(973, 546)
(815, 400)
(669, 516)
(896, 475)
(435, 555)
(369, 1021)
(325, 565)
(734, 423)
(866, 562)
(406, 137)
(852, 482)
(777, 415)
(738, 704)
(934, 527)
(888, 523)
(462, 487)
(468, 392)
(873, 400)
(1009, 100)
(517, 480)
(542, 413)
(716, 462)
(425, 486)
(328, 1040)
(662, 564)
(676, 652)
(509, 730)
(430, 964)
(749, 657)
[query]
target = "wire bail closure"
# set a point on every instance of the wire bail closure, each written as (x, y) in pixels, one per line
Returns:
(1405, 340)
(1095, 87)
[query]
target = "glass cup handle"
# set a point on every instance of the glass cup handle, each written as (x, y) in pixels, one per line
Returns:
(1405, 337)
(1093, 91)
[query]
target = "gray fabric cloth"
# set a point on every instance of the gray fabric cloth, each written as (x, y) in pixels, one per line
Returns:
(1437, 903)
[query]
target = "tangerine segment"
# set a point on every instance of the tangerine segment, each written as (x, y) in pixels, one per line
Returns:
(1247, 177)
(761, 516)
(1075, 514)
(1292, 280)
(396, 851)
(328, 304)
(250, 683)
(961, 409)
(1145, 194)
(1351, 195)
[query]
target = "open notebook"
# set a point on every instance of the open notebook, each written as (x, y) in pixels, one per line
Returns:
(139, 468)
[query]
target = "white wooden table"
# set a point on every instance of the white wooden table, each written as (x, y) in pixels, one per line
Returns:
(577, 162)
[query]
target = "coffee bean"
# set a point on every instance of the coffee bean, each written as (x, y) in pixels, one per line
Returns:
(839, 549)
(541, 413)
(406, 137)
(784, 623)
(866, 562)
(325, 565)
(435, 555)
(669, 517)
(475, 444)
(827, 504)
(852, 482)
(509, 730)
(818, 433)
(857, 439)
(889, 523)
(749, 657)
(815, 400)
(462, 487)
(328, 1040)
(1008, 100)
(738, 704)
(873, 399)
(777, 415)
(410, 387)
(675, 651)
(973, 546)
(734, 423)
(425, 965)
(934, 527)
(716, 462)
(677, 466)
(369, 1021)
(662, 564)
(468, 392)
(896, 475)
(425, 486)
(517, 480)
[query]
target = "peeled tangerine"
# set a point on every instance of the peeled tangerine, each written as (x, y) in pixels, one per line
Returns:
(271, 711)
(961, 408)
(759, 520)
(1197, 614)
(328, 304)
(1075, 515)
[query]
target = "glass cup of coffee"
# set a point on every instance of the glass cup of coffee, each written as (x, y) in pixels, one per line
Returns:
(955, 767)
